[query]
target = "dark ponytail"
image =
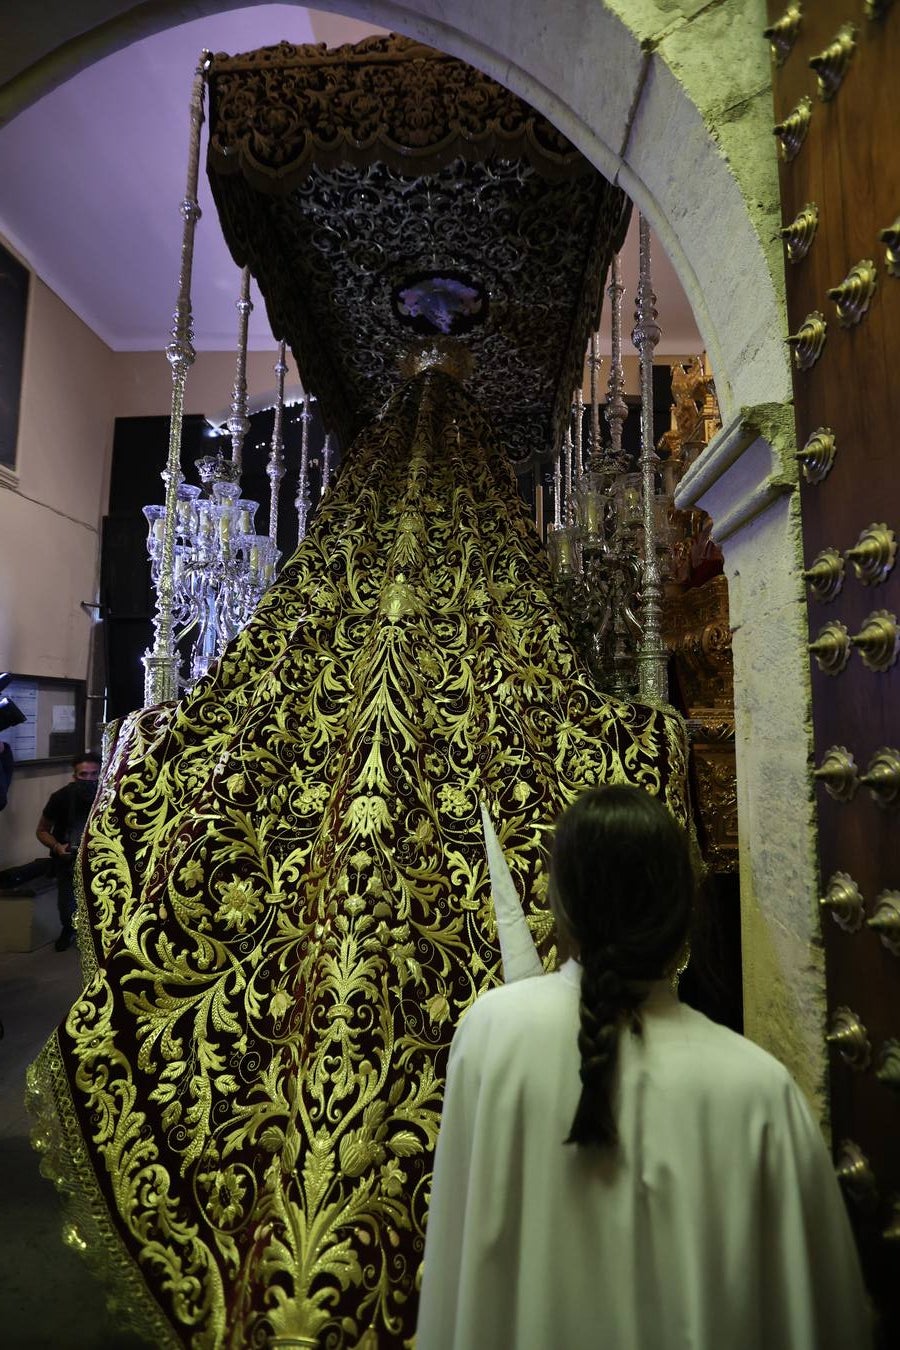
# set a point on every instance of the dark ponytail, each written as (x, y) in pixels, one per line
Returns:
(622, 889)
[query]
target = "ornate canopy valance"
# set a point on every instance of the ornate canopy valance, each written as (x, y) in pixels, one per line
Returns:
(384, 195)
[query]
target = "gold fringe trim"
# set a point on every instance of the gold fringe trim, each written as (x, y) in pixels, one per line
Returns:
(87, 1228)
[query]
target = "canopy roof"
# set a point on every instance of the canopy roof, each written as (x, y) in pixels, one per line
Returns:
(385, 195)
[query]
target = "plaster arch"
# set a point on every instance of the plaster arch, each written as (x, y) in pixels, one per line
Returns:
(672, 99)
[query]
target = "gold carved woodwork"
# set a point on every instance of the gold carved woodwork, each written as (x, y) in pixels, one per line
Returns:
(698, 635)
(280, 111)
(695, 413)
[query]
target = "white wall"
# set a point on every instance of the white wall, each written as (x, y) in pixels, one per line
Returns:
(143, 382)
(50, 512)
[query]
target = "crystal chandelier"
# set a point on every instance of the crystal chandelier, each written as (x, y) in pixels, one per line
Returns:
(219, 566)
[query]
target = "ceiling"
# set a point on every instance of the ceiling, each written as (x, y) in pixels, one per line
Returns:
(93, 174)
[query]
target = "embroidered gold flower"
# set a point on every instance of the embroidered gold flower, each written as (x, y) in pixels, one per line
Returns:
(239, 903)
(393, 1178)
(191, 874)
(423, 833)
(312, 798)
(225, 1201)
(454, 800)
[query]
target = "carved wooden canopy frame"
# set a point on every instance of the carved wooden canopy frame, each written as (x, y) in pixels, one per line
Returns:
(375, 189)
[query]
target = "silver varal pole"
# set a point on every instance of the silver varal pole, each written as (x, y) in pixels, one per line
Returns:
(161, 661)
(275, 466)
(302, 502)
(594, 367)
(578, 457)
(571, 476)
(238, 422)
(652, 674)
(616, 406)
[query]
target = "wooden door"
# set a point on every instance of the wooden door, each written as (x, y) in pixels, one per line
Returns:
(842, 162)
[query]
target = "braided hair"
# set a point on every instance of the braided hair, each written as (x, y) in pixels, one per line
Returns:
(622, 889)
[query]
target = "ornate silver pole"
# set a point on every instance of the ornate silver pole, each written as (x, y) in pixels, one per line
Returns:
(238, 422)
(557, 487)
(302, 502)
(275, 466)
(568, 476)
(653, 681)
(578, 464)
(616, 407)
(161, 662)
(594, 366)
(326, 464)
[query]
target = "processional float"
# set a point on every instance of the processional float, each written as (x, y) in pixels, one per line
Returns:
(285, 895)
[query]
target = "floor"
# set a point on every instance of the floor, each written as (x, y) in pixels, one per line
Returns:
(48, 1300)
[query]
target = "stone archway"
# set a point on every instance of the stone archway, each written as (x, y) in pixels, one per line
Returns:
(672, 99)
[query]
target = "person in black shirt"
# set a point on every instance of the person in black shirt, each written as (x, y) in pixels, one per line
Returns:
(60, 828)
(6, 771)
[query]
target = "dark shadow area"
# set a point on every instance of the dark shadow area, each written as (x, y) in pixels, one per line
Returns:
(48, 1297)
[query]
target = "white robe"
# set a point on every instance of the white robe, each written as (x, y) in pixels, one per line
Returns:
(717, 1223)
